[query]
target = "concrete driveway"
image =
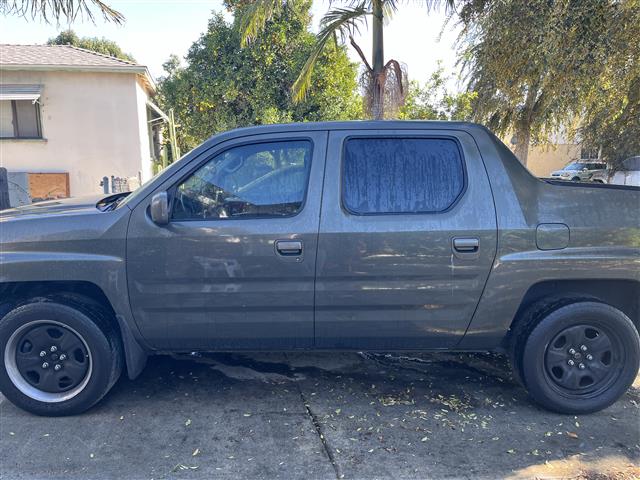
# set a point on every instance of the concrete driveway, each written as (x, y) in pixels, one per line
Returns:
(322, 416)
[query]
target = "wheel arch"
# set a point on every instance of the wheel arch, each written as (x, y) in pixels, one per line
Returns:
(13, 294)
(621, 294)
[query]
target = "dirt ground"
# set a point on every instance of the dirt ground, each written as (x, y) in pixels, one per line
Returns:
(322, 416)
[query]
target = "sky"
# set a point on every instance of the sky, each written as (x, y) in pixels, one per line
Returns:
(155, 29)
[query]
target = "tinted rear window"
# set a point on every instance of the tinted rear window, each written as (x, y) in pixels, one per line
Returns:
(401, 175)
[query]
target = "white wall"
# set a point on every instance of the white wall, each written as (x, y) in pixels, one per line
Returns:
(91, 124)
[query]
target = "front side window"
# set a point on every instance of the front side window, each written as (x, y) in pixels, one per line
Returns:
(19, 119)
(248, 181)
(401, 175)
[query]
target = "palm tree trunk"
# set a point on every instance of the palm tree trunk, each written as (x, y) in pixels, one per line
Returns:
(377, 102)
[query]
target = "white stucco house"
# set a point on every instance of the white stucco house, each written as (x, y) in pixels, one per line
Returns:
(69, 117)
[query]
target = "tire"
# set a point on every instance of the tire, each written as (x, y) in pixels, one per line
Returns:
(575, 179)
(525, 323)
(80, 350)
(580, 358)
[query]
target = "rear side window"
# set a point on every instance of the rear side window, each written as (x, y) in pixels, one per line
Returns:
(401, 175)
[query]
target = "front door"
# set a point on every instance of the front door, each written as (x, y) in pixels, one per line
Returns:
(407, 239)
(235, 267)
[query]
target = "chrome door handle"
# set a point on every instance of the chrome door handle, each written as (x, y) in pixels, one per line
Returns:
(466, 245)
(289, 247)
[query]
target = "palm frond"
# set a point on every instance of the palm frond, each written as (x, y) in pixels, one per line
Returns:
(60, 9)
(256, 15)
(339, 21)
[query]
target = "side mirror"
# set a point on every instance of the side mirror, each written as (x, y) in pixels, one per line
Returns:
(160, 208)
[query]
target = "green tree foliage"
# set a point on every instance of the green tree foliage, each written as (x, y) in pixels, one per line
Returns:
(227, 85)
(95, 44)
(535, 64)
(383, 84)
(58, 10)
(611, 120)
(433, 101)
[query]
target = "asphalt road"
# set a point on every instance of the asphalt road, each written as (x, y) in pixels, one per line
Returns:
(322, 416)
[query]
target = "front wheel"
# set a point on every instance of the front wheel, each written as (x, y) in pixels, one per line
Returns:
(57, 359)
(581, 358)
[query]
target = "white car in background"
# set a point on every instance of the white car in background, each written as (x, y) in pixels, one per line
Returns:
(627, 174)
(579, 171)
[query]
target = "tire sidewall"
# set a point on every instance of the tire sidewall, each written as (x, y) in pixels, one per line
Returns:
(599, 315)
(101, 357)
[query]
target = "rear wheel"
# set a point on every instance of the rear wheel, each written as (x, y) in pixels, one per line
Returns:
(580, 358)
(57, 359)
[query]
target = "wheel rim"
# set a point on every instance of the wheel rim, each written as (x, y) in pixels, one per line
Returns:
(583, 360)
(48, 361)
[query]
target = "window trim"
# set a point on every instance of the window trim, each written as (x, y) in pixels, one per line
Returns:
(455, 202)
(172, 190)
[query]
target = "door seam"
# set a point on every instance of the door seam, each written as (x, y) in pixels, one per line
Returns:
(315, 266)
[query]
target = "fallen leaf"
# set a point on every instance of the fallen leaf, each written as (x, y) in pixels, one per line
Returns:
(184, 467)
(511, 450)
(572, 434)
(196, 452)
(188, 422)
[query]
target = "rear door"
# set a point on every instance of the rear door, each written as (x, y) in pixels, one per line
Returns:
(235, 266)
(407, 238)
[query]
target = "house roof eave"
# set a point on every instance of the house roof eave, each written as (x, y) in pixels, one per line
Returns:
(140, 70)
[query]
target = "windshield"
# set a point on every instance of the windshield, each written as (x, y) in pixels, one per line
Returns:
(574, 166)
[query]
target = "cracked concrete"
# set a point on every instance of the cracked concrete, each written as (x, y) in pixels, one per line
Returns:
(322, 416)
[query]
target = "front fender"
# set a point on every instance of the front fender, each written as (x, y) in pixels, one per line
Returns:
(66, 249)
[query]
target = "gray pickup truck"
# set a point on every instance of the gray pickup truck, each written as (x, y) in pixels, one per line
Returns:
(379, 236)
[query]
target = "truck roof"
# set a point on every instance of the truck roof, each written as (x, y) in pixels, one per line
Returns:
(354, 125)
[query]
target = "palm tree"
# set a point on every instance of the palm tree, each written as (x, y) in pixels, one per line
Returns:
(59, 9)
(384, 84)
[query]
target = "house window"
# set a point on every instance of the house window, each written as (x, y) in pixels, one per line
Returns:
(20, 119)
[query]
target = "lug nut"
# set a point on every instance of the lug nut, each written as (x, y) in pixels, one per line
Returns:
(63, 356)
(572, 351)
(54, 348)
(43, 353)
(57, 367)
(581, 366)
(45, 365)
(571, 363)
(589, 357)
(583, 348)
